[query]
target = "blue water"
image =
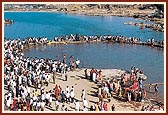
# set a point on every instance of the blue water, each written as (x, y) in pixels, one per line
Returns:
(109, 55)
(101, 55)
(57, 24)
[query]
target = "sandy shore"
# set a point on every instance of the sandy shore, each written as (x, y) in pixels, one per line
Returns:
(77, 79)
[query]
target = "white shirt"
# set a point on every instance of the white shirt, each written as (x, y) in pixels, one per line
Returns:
(85, 109)
(31, 101)
(67, 95)
(47, 96)
(34, 103)
(38, 104)
(34, 97)
(43, 97)
(67, 89)
(94, 76)
(77, 105)
(56, 102)
(8, 103)
(42, 104)
(72, 94)
(85, 103)
(77, 62)
(28, 89)
(50, 99)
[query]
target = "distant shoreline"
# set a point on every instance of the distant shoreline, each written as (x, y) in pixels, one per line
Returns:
(157, 22)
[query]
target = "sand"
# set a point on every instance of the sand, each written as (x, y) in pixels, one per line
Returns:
(77, 79)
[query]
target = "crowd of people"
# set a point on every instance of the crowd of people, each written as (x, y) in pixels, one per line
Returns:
(22, 73)
(113, 38)
(129, 87)
(26, 78)
(160, 107)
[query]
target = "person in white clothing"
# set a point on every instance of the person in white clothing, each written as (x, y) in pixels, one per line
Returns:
(94, 76)
(77, 63)
(50, 100)
(56, 104)
(72, 95)
(67, 97)
(47, 98)
(85, 103)
(8, 102)
(67, 89)
(85, 109)
(34, 105)
(42, 97)
(38, 105)
(28, 90)
(77, 106)
(42, 105)
(83, 94)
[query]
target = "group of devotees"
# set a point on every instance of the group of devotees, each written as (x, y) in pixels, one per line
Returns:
(25, 80)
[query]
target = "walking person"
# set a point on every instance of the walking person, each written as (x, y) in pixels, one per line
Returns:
(97, 106)
(67, 97)
(150, 87)
(54, 77)
(72, 95)
(56, 104)
(105, 107)
(85, 103)
(113, 107)
(86, 74)
(56, 91)
(77, 106)
(50, 100)
(66, 77)
(62, 97)
(83, 94)
(63, 108)
(156, 88)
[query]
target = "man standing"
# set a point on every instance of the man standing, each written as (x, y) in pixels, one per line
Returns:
(77, 106)
(77, 63)
(83, 94)
(56, 104)
(156, 89)
(86, 75)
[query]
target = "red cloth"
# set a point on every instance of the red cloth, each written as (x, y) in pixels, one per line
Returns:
(28, 106)
(56, 91)
(105, 107)
(134, 86)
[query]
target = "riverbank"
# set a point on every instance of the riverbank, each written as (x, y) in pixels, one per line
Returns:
(124, 10)
(78, 39)
(156, 27)
(34, 68)
(77, 79)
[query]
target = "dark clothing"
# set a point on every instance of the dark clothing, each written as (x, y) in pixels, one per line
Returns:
(65, 77)
(62, 97)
